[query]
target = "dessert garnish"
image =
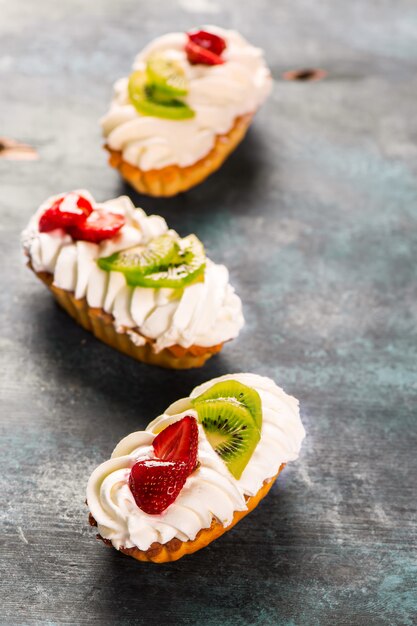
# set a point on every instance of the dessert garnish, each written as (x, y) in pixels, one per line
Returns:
(178, 442)
(167, 261)
(68, 210)
(157, 90)
(156, 483)
(167, 77)
(231, 415)
(98, 226)
(205, 48)
(75, 214)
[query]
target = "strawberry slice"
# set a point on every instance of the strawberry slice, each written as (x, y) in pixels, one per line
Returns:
(179, 442)
(99, 225)
(209, 41)
(156, 484)
(197, 54)
(68, 210)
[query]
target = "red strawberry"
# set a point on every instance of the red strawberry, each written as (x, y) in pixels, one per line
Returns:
(69, 210)
(197, 54)
(179, 442)
(99, 225)
(156, 484)
(209, 41)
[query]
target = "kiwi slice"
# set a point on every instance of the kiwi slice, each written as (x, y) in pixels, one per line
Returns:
(141, 259)
(236, 392)
(231, 431)
(146, 100)
(186, 267)
(165, 262)
(167, 75)
(172, 110)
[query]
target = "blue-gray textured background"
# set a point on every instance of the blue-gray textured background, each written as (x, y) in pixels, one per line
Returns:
(316, 217)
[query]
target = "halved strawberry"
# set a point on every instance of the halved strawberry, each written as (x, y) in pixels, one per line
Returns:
(179, 442)
(99, 225)
(156, 484)
(197, 54)
(209, 41)
(68, 210)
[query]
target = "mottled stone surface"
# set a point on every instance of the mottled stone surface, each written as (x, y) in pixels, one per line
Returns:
(315, 215)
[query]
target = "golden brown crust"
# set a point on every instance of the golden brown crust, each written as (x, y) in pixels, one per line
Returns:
(173, 179)
(100, 323)
(175, 549)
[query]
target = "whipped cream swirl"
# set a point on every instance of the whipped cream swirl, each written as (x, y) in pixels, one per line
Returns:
(218, 95)
(210, 491)
(204, 314)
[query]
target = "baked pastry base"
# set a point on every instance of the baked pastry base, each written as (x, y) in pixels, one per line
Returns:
(173, 179)
(100, 323)
(175, 549)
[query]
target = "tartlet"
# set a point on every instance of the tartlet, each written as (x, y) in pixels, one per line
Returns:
(132, 282)
(186, 106)
(196, 470)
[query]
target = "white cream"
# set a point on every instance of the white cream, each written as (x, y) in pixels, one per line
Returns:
(203, 314)
(218, 95)
(211, 491)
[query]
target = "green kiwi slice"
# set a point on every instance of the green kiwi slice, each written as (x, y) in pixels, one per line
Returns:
(141, 259)
(186, 267)
(165, 262)
(167, 75)
(146, 100)
(231, 431)
(236, 392)
(172, 110)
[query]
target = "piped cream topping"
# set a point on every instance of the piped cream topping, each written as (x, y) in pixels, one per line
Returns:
(218, 95)
(205, 314)
(210, 491)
